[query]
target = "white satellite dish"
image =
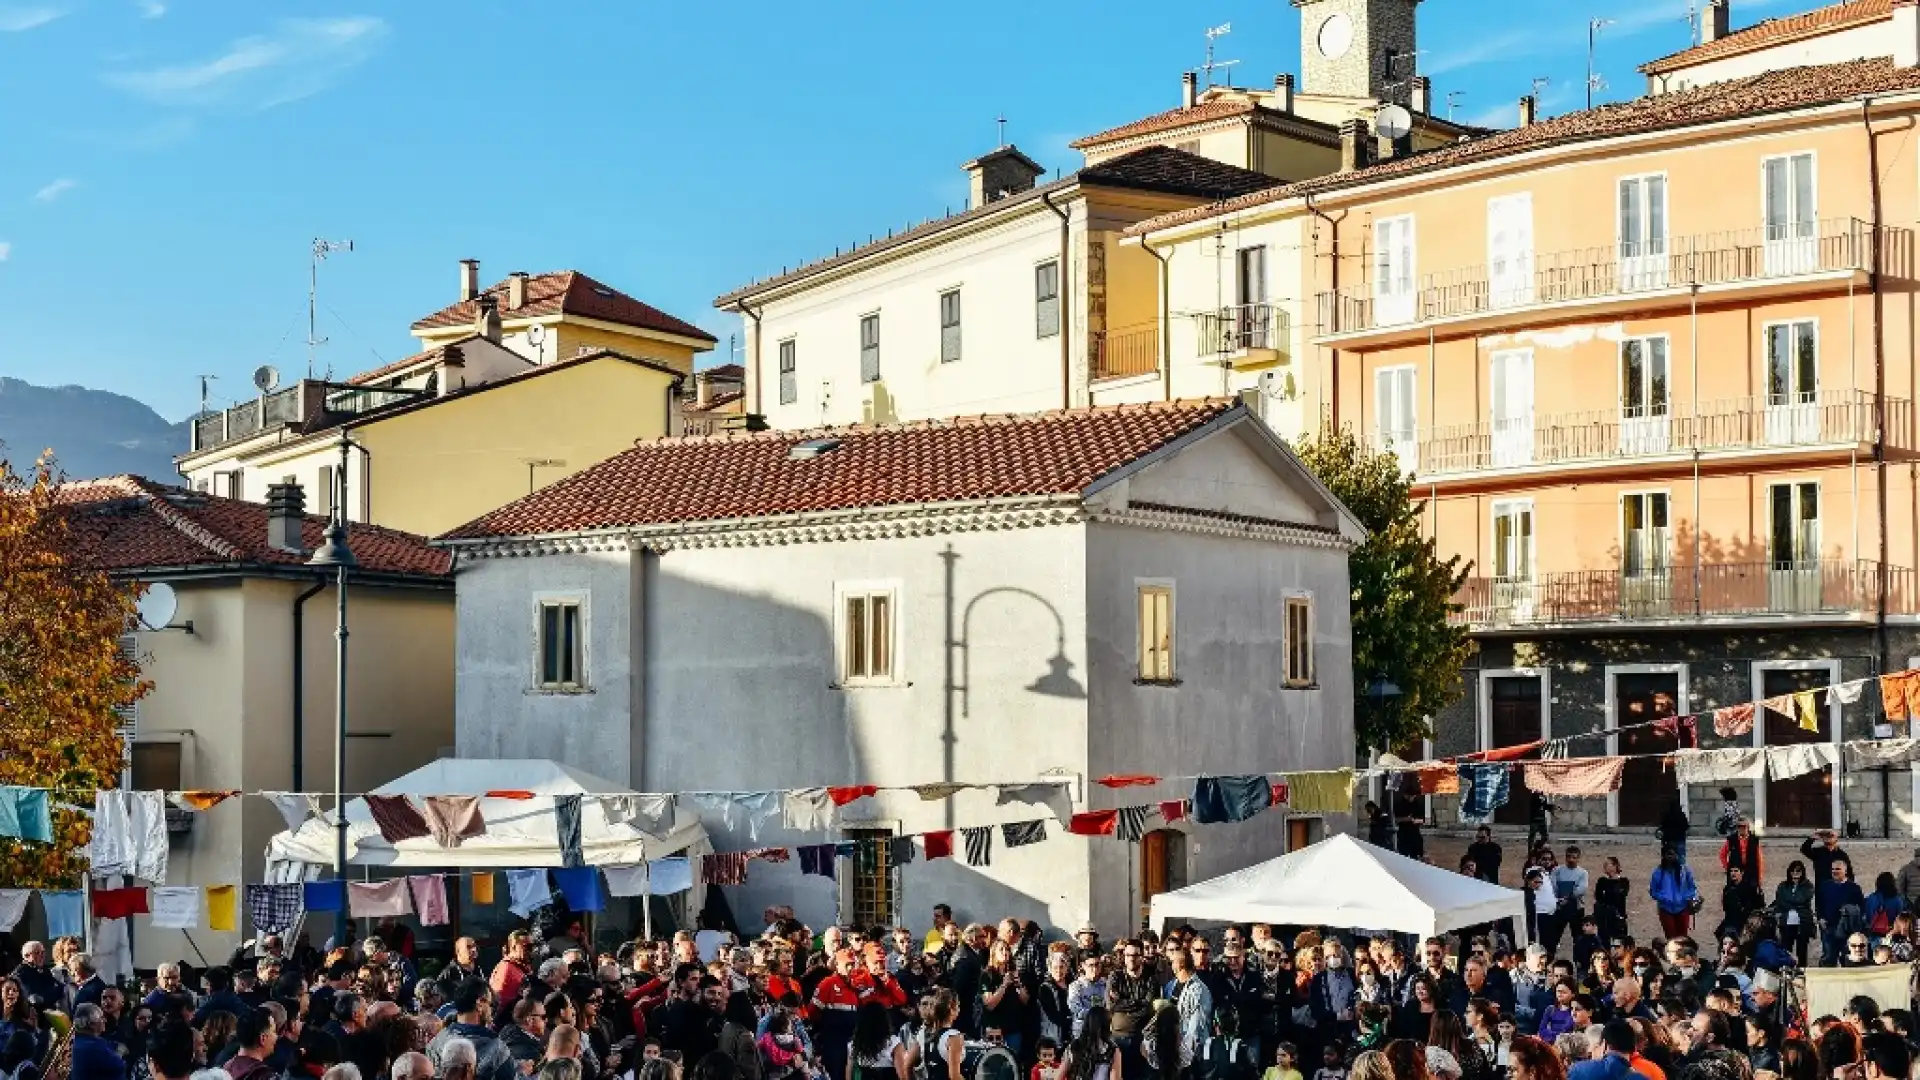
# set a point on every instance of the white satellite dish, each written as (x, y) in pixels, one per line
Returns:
(157, 606)
(1392, 122)
(265, 378)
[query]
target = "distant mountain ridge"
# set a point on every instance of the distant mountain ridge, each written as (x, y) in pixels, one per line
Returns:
(91, 432)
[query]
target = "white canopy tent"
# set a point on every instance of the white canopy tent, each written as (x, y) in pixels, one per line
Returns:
(520, 833)
(1344, 882)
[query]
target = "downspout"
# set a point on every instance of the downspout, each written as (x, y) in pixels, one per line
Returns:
(755, 316)
(1879, 375)
(1333, 286)
(1166, 322)
(299, 684)
(1066, 355)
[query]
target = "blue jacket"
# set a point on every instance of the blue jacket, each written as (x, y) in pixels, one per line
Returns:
(1892, 905)
(94, 1058)
(1830, 896)
(1672, 893)
(1611, 1067)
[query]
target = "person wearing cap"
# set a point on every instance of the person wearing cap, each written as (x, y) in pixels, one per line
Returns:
(1822, 850)
(1086, 942)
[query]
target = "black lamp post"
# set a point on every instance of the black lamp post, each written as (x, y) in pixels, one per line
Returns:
(336, 555)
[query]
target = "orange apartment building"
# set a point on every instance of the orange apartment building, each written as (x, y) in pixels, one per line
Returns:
(1652, 367)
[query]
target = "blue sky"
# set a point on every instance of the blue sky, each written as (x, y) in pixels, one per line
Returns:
(165, 164)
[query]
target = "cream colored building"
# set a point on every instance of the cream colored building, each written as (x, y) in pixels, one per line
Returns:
(1830, 35)
(243, 674)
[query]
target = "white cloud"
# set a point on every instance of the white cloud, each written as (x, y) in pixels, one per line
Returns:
(55, 190)
(301, 57)
(6, 250)
(15, 19)
(1499, 47)
(152, 9)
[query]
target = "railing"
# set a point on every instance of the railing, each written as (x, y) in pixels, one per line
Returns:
(1133, 350)
(308, 399)
(1828, 416)
(1240, 328)
(354, 400)
(1621, 269)
(1830, 587)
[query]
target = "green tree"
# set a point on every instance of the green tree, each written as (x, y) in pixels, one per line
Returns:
(1402, 593)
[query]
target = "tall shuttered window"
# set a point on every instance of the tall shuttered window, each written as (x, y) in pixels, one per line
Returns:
(1156, 632)
(562, 659)
(1046, 299)
(789, 373)
(866, 636)
(870, 348)
(1299, 630)
(950, 326)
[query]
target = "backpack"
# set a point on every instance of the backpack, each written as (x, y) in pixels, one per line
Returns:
(1882, 922)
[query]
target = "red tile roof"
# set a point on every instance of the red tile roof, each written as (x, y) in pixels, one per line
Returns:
(404, 363)
(568, 292)
(1776, 32)
(1204, 112)
(128, 524)
(1770, 92)
(736, 476)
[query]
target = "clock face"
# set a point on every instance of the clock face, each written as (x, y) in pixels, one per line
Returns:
(1336, 35)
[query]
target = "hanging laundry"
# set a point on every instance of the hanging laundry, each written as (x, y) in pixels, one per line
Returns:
(1094, 823)
(807, 810)
(295, 807)
(724, 868)
(320, 896)
(1280, 792)
(1326, 792)
(1805, 711)
(1875, 753)
(580, 887)
(528, 891)
(510, 793)
(1021, 833)
(867, 855)
(1173, 810)
(900, 851)
(841, 796)
(24, 814)
(649, 813)
(129, 835)
(481, 887)
(817, 860)
(223, 907)
(275, 908)
(1052, 795)
(769, 854)
(1575, 777)
(1131, 824)
(429, 898)
(1714, 766)
(846, 849)
(939, 844)
(1684, 729)
(453, 818)
(1439, 779)
(566, 829)
(397, 818)
(1733, 721)
(65, 910)
(625, 880)
(1850, 692)
(1505, 753)
(202, 800)
(751, 808)
(1893, 695)
(378, 899)
(1219, 799)
(665, 877)
(979, 844)
(1779, 703)
(1787, 762)
(1128, 780)
(13, 907)
(177, 908)
(1484, 788)
(119, 903)
(936, 792)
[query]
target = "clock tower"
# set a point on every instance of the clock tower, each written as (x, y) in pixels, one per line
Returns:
(1357, 48)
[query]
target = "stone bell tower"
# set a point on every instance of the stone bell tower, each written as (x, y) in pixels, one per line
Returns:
(1358, 48)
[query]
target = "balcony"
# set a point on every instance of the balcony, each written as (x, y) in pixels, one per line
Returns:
(1622, 274)
(1244, 335)
(1829, 589)
(309, 402)
(1764, 422)
(1124, 353)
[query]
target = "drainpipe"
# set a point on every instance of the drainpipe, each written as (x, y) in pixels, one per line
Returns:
(1333, 240)
(1879, 373)
(1166, 323)
(757, 380)
(299, 684)
(1066, 355)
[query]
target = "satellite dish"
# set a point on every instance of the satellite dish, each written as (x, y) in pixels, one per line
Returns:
(157, 606)
(265, 378)
(1392, 122)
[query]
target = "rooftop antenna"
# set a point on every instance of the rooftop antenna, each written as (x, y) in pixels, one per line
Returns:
(204, 380)
(321, 249)
(1594, 81)
(1000, 125)
(1453, 98)
(1214, 34)
(1693, 22)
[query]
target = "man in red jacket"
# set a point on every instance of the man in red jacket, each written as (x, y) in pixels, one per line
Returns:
(831, 1013)
(874, 984)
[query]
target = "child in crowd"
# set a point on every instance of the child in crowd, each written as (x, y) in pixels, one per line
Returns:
(1728, 817)
(1285, 1064)
(1048, 1066)
(1333, 1062)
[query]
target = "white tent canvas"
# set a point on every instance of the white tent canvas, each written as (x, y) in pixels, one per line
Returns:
(520, 833)
(1343, 882)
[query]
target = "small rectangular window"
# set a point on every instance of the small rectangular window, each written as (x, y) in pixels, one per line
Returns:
(1046, 299)
(870, 348)
(1299, 641)
(875, 888)
(866, 637)
(562, 655)
(1156, 633)
(950, 326)
(789, 376)
(235, 486)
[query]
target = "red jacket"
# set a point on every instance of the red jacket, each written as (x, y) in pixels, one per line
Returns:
(883, 988)
(834, 994)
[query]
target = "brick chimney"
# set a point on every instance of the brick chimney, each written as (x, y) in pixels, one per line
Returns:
(1422, 100)
(286, 513)
(487, 325)
(1906, 33)
(1715, 20)
(1189, 89)
(1353, 144)
(1283, 92)
(1526, 111)
(516, 290)
(469, 279)
(1000, 173)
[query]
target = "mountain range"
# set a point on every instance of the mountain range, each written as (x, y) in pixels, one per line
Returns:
(91, 432)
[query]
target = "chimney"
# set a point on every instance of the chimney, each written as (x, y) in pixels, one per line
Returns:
(996, 175)
(1526, 111)
(1353, 144)
(516, 290)
(1714, 22)
(1283, 92)
(1422, 102)
(469, 279)
(1189, 89)
(1906, 33)
(488, 324)
(286, 513)
(702, 389)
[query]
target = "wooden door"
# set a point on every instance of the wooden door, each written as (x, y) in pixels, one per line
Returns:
(1806, 801)
(1638, 699)
(1514, 705)
(1163, 863)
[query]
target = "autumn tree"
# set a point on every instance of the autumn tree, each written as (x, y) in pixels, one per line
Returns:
(1402, 594)
(61, 674)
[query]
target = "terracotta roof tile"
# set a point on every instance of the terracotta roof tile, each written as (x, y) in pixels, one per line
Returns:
(125, 524)
(736, 476)
(1201, 113)
(403, 364)
(1776, 31)
(568, 292)
(1771, 92)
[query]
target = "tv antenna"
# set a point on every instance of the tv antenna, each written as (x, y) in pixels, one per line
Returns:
(1214, 34)
(321, 249)
(1594, 81)
(1453, 98)
(1693, 22)
(1000, 128)
(204, 380)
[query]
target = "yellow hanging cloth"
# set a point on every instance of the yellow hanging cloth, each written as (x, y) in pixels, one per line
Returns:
(1805, 710)
(483, 888)
(221, 908)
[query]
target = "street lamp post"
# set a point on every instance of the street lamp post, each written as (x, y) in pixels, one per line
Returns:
(335, 554)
